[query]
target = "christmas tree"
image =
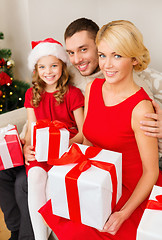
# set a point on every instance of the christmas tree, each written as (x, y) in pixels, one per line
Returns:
(12, 92)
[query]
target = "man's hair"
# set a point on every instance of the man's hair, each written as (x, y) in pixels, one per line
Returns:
(81, 24)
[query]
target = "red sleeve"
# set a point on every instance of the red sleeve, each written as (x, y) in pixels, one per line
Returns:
(28, 97)
(76, 98)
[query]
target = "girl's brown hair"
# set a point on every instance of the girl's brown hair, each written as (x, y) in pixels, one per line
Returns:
(39, 86)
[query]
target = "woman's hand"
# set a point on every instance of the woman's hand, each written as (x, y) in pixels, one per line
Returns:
(114, 222)
(29, 154)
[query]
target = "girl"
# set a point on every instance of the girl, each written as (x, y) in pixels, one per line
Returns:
(51, 97)
(120, 105)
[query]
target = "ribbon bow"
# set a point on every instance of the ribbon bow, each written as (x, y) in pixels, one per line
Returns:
(155, 205)
(47, 123)
(75, 155)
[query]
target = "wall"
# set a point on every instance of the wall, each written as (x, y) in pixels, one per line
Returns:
(24, 20)
(15, 26)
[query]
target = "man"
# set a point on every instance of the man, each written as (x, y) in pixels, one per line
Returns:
(80, 45)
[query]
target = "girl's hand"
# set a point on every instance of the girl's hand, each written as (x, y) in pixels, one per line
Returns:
(29, 154)
(114, 222)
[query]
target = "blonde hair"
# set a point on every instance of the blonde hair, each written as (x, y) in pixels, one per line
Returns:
(39, 86)
(127, 40)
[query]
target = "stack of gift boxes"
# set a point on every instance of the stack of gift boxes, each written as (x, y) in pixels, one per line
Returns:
(85, 182)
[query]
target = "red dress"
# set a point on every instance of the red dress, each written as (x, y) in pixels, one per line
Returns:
(51, 110)
(108, 128)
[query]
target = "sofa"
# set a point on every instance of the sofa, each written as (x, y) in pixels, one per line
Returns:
(16, 117)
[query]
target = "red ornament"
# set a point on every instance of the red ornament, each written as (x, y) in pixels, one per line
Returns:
(2, 62)
(1, 93)
(5, 79)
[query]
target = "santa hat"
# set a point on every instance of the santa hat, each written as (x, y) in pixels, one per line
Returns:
(46, 47)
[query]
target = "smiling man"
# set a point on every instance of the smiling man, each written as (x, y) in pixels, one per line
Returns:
(83, 54)
(80, 45)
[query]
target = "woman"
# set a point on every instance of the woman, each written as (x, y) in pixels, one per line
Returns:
(114, 124)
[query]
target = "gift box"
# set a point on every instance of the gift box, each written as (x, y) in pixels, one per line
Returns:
(86, 184)
(50, 140)
(150, 227)
(10, 148)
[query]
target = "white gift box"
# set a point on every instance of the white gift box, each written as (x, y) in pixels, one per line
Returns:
(43, 145)
(150, 227)
(10, 148)
(94, 188)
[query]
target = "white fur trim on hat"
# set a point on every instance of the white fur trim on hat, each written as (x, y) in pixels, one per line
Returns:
(45, 49)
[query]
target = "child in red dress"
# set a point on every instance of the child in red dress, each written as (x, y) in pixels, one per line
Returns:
(52, 98)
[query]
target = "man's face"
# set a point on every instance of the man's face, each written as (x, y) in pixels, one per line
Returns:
(82, 52)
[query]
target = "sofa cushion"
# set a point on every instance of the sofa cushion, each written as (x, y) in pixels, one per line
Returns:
(16, 117)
